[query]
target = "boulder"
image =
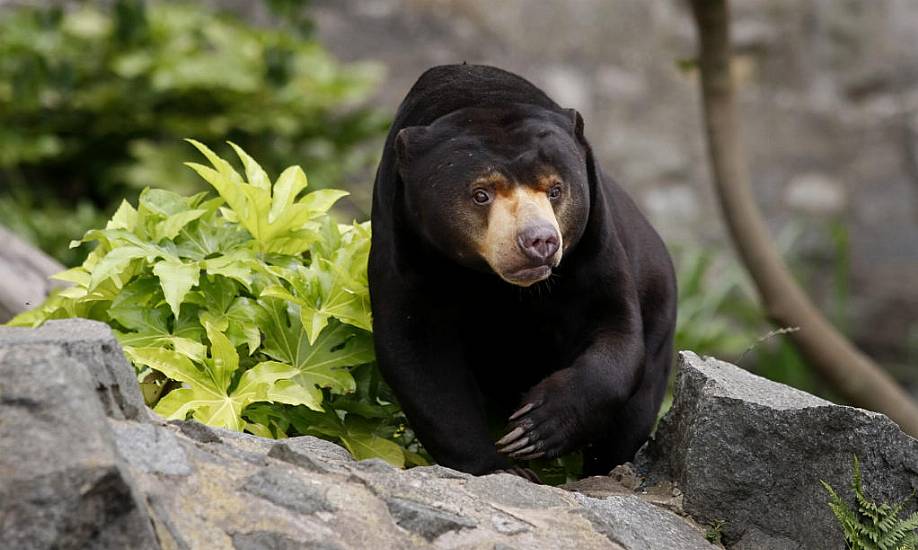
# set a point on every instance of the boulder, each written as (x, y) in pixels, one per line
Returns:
(92, 345)
(62, 481)
(24, 272)
(752, 453)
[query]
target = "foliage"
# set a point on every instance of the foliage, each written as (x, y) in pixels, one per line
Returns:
(715, 531)
(872, 526)
(720, 315)
(249, 311)
(94, 101)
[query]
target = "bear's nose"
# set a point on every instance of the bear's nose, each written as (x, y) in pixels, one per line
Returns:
(538, 242)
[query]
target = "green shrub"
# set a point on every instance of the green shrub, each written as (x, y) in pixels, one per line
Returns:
(249, 311)
(872, 526)
(94, 102)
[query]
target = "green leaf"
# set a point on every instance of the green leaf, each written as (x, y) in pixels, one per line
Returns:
(280, 277)
(176, 278)
(363, 443)
(114, 264)
(290, 183)
(171, 226)
(253, 171)
(322, 363)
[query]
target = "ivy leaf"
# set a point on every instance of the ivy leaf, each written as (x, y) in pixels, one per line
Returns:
(176, 278)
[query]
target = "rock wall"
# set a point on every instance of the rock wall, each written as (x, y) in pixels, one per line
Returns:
(829, 95)
(83, 464)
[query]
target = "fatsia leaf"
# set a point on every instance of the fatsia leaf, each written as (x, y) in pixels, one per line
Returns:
(170, 227)
(237, 265)
(113, 265)
(254, 173)
(320, 201)
(290, 183)
(176, 278)
(125, 217)
(207, 395)
(363, 443)
(223, 168)
(321, 363)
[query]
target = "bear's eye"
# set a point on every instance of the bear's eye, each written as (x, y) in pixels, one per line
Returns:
(480, 196)
(555, 192)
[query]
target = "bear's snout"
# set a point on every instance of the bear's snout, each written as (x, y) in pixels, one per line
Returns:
(539, 242)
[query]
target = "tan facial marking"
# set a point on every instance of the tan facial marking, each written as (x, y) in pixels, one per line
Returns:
(514, 208)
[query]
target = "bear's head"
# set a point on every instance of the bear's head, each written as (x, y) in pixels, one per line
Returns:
(500, 189)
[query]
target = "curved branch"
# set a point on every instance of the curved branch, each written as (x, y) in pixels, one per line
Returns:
(849, 371)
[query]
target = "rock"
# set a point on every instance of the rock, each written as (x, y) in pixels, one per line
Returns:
(62, 483)
(625, 521)
(282, 451)
(815, 194)
(266, 540)
(75, 473)
(284, 489)
(752, 453)
(197, 431)
(93, 345)
(24, 272)
(427, 521)
(150, 448)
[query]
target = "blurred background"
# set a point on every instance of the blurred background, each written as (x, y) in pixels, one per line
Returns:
(95, 98)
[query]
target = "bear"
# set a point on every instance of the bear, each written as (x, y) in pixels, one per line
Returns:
(511, 279)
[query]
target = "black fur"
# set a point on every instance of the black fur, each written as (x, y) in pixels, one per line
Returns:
(589, 349)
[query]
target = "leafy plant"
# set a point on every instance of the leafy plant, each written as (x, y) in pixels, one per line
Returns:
(715, 531)
(248, 311)
(872, 526)
(95, 98)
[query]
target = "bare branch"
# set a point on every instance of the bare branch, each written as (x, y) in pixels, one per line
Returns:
(849, 371)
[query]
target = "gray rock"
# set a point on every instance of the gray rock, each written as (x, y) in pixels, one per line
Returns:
(197, 431)
(319, 448)
(508, 525)
(442, 472)
(637, 525)
(93, 345)
(150, 448)
(282, 451)
(24, 272)
(61, 481)
(266, 540)
(752, 452)
(425, 520)
(374, 465)
(753, 539)
(284, 489)
(511, 490)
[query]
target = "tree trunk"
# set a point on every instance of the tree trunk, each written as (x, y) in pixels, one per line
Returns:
(849, 371)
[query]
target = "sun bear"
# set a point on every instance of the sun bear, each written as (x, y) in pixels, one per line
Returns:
(511, 279)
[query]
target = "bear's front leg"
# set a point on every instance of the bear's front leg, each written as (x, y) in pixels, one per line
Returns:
(421, 360)
(562, 412)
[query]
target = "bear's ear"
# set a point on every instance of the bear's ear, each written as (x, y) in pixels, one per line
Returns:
(576, 123)
(408, 144)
